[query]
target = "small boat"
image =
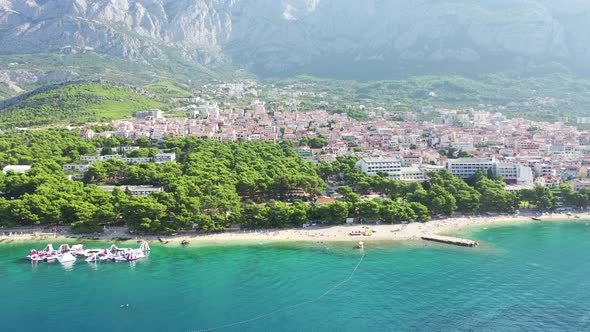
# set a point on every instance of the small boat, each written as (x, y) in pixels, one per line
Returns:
(79, 253)
(32, 253)
(577, 217)
(77, 247)
(184, 242)
(131, 257)
(360, 245)
(536, 218)
(138, 253)
(144, 246)
(49, 248)
(51, 257)
(114, 249)
(35, 258)
(355, 233)
(66, 257)
(88, 252)
(117, 257)
(93, 258)
(64, 247)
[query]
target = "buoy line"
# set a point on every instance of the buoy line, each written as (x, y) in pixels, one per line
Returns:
(287, 308)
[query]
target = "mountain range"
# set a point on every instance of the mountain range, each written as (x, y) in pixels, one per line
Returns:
(368, 39)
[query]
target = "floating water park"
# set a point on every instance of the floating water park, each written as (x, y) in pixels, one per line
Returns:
(67, 254)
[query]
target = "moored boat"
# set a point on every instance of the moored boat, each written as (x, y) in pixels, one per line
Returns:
(67, 254)
(35, 258)
(131, 257)
(144, 246)
(138, 253)
(93, 258)
(77, 247)
(118, 257)
(51, 257)
(49, 248)
(32, 253)
(64, 247)
(88, 252)
(66, 257)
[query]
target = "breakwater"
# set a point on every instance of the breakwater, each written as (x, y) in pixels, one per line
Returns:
(451, 240)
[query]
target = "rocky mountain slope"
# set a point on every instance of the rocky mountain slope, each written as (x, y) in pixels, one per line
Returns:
(371, 38)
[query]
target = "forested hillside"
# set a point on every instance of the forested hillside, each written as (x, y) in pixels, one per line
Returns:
(76, 104)
(542, 98)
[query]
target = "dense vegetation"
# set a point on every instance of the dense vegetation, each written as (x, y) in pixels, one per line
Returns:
(167, 89)
(5, 91)
(539, 95)
(76, 103)
(206, 188)
(537, 92)
(214, 185)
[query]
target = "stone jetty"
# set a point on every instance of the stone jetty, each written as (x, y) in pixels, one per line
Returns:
(451, 240)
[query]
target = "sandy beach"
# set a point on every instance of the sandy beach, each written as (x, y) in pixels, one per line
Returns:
(412, 231)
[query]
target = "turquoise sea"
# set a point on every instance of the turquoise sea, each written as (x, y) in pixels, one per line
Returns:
(523, 278)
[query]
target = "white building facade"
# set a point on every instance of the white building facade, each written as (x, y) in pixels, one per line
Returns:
(372, 166)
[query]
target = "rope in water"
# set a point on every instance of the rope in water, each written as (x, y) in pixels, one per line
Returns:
(290, 307)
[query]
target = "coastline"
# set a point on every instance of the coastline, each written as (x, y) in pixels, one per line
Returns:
(412, 231)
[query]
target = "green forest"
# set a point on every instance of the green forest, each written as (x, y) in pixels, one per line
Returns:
(76, 104)
(217, 184)
(520, 94)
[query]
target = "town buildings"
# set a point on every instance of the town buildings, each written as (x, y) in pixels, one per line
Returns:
(522, 151)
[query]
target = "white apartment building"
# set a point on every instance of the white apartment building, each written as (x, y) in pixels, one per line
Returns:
(411, 160)
(76, 167)
(513, 173)
(136, 160)
(412, 174)
(165, 157)
(372, 166)
(16, 168)
(135, 190)
(542, 169)
(90, 159)
(467, 167)
(155, 113)
(580, 184)
(159, 158)
(393, 168)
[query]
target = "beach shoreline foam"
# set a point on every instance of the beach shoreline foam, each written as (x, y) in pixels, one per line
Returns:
(341, 233)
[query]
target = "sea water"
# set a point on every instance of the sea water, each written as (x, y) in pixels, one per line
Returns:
(522, 278)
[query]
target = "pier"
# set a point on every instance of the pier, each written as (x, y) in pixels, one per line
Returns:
(451, 240)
